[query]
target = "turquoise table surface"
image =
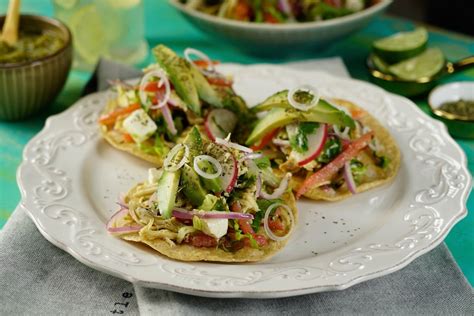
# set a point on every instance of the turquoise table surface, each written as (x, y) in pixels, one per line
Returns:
(164, 25)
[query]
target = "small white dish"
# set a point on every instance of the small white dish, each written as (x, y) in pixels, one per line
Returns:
(451, 92)
(458, 126)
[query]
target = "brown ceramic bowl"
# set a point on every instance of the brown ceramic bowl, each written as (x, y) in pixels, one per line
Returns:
(27, 87)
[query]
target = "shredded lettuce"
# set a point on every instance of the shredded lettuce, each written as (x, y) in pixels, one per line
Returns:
(358, 169)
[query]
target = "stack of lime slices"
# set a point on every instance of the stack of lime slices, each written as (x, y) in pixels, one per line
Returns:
(406, 56)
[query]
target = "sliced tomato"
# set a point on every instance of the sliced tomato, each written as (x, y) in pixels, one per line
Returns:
(357, 113)
(152, 86)
(202, 240)
(235, 206)
(204, 63)
(247, 229)
(245, 226)
(219, 81)
(265, 140)
(327, 172)
(276, 225)
(128, 138)
(334, 3)
(268, 18)
(110, 118)
(242, 11)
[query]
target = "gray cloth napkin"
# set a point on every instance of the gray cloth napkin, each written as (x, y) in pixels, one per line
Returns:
(36, 278)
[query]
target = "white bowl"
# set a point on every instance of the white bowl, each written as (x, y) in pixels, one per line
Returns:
(451, 92)
(280, 38)
(458, 126)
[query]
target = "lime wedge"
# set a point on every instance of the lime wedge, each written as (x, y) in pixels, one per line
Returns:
(427, 64)
(379, 63)
(402, 45)
(89, 36)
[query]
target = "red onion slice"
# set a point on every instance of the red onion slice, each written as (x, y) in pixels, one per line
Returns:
(225, 142)
(185, 214)
(165, 110)
(278, 191)
(285, 7)
(303, 106)
(163, 80)
(251, 156)
(266, 225)
(281, 142)
(351, 185)
(121, 230)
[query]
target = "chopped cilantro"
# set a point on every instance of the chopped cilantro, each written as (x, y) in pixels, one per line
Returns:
(381, 161)
(331, 149)
(299, 142)
(257, 220)
(262, 163)
(262, 208)
(246, 180)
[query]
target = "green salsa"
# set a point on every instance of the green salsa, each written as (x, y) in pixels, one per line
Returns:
(461, 107)
(30, 46)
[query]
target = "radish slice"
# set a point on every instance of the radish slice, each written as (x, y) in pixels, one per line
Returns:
(169, 119)
(219, 123)
(121, 230)
(304, 106)
(316, 141)
(225, 142)
(278, 191)
(185, 214)
(163, 81)
(251, 156)
(213, 161)
(188, 52)
(230, 173)
(285, 7)
(266, 225)
(168, 163)
(351, 185)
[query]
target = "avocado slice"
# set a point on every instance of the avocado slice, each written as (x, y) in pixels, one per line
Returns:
(192, 188)
(209, 202)
(213, 185)
(168, 188)
(279, 99)
(166, 192)
(180, 74)
(205, 90)
(278, 117)
(194, 142)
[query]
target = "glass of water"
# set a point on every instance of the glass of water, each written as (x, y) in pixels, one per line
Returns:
(113, 29)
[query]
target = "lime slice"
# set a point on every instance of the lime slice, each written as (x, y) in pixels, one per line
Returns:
(89, 36)
(379, 63)
(427, 64)
(402, 45)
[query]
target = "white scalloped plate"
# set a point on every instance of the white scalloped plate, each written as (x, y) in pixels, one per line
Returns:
(70, 180)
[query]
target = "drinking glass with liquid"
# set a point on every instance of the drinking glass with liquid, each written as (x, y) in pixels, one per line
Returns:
(113, 29)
